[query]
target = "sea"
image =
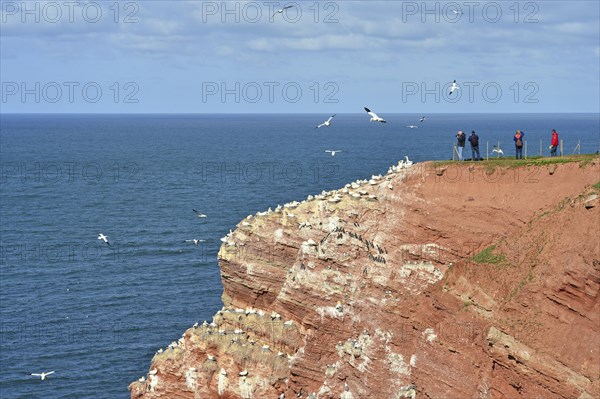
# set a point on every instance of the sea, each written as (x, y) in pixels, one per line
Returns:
(96, 314)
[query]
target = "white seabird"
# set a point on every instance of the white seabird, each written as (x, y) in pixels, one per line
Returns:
(457, 12)
(408, 163)
(422, 119)
(327, 123)
(333, 152)
(454, 87)
(195, 241)
(374, 116)
(199, 214)
(498, 150)
(103, 238)
(42, 375)
(280, 11)
(412, 126)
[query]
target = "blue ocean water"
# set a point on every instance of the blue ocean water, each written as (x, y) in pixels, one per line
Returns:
(97, 314)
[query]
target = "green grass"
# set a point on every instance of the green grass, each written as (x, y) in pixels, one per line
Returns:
(583, 159)
(522, 284)
(488, 256)
(596, 186)
(466, 304)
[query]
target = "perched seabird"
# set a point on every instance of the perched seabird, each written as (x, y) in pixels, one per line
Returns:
(374, 116)
(243, 373)
(199, 214)
(333, 152)
(195, 241)
(142, 379)
(327, 123)
(408, 162)
(454, 87)
(339, 307)
(103, 238)
(42, 375)
(280, 11)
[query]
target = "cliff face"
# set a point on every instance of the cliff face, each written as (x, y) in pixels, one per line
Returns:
(451, 281)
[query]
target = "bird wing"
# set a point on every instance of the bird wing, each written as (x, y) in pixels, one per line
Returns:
(36, 374)
(368, 110)
(50, 372)
(286, 7)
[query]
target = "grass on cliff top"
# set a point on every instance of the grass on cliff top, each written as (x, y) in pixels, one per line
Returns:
(508, 161)
(596, 186)
(488, 257)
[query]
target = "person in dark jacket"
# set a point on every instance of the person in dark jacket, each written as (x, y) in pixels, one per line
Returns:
(461, 139)
(474, 140)
(519, 144)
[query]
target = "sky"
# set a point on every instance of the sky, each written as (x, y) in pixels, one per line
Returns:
(314, 57)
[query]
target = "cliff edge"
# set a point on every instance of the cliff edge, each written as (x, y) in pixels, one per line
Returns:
(436, 280)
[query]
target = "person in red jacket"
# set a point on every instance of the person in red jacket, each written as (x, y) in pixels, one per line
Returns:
(554, 143)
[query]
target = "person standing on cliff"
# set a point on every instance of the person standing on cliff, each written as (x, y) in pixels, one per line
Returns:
(461, 138)
(519, 144)
(554, 143)
(474, 140)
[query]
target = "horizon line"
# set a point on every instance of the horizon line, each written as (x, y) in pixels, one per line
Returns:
(288, 113)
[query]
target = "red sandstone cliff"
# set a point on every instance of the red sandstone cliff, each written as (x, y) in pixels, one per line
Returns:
(430, 282)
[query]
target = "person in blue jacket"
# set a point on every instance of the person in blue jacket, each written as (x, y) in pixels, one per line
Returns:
(519, 144)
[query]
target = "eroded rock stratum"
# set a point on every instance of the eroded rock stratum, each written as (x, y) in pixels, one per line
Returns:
(432, 281)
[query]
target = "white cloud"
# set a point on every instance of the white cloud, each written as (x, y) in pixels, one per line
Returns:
(371, 45)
